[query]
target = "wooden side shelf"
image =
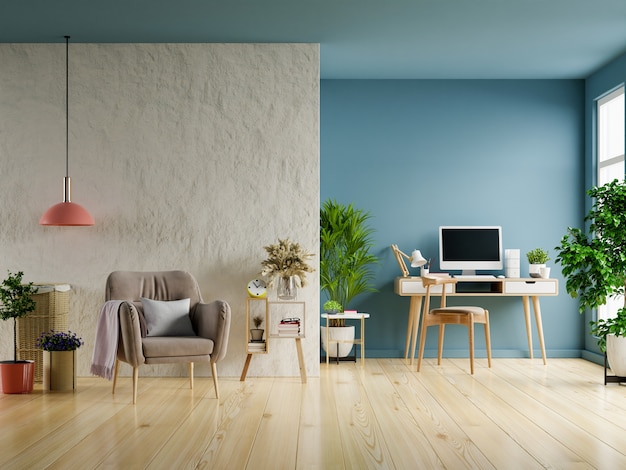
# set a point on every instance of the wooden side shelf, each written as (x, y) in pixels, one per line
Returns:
(274, 312)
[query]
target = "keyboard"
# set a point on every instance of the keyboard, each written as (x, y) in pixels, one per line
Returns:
(475, 277)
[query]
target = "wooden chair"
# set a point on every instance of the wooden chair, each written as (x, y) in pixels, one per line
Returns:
(443, 316)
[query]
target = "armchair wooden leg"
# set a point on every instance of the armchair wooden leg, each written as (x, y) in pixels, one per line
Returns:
(191, 375)
(135, 380)
(214, 372)
(117, 365)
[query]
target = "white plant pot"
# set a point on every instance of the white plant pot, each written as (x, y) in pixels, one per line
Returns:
(341, 333)
(534, 270)
(616, 354)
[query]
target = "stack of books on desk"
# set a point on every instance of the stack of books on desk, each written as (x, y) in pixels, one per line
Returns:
(256, 346)
(289, 327)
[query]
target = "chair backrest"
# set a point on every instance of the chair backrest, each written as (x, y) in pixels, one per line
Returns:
(428, 282)
(157, 285)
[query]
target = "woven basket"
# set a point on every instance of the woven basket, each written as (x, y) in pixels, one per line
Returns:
(51, 313)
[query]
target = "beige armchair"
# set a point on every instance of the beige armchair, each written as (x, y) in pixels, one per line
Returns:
(207, 341)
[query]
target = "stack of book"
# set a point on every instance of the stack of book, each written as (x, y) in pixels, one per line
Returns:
(256, 346)
(289, 327)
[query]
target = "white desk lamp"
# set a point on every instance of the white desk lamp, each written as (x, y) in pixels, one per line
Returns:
(416, 259)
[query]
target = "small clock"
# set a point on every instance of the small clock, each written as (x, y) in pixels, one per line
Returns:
(257, 288)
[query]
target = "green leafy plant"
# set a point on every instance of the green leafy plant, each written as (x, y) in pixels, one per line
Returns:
(595, 264)
(16, 301)
(611, 326)
(345, 258)
(332, 306)
(538, 256)
(59, 341)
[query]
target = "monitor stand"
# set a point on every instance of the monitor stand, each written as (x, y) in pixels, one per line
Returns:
(468, 272)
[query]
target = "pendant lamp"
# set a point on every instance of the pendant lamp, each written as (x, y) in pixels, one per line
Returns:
(66, 213)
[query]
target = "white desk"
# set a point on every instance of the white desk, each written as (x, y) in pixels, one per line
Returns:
(346, 316)
(526, 288)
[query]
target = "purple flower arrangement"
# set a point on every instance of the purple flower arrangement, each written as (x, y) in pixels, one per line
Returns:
(59, 341)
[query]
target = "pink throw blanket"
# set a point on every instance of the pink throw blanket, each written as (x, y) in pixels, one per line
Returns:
(107, 335)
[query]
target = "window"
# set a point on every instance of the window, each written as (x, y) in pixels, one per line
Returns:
(610, 154)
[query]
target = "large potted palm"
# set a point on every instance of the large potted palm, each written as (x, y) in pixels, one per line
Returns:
(16, 301)
(345, 264)
(594, 264)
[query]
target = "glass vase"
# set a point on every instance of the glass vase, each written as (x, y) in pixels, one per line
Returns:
(287, 288)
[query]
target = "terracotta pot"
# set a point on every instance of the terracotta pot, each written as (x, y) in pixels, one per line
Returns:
(59, 370)
(17, 377)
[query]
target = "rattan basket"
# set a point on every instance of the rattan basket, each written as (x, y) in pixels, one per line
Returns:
(51, 313)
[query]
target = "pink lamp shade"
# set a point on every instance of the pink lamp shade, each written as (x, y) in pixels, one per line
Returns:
(66, 214)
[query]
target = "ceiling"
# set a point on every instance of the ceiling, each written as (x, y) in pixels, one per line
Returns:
(358, 38)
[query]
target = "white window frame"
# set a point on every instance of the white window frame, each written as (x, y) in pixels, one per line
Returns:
(612, 165)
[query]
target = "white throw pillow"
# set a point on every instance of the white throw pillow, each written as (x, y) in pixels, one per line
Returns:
(167, 318)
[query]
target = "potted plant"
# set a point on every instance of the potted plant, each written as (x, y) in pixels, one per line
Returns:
(345, 262)
(594, 265)
(286, 264)
(537, 259)
(256, 333)
(332, 306)
(59, 359)
(16, 301)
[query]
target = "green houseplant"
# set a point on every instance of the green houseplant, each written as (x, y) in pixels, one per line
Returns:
(332, 306)
(16, 301)
(537, 259)
(345, 257)
(594, 265)
(537, 256)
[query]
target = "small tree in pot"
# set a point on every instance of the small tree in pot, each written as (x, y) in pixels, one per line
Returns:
(345, 258)
(15, 301)
(595, 265)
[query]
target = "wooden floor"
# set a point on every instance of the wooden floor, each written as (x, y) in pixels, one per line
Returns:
(517, 415)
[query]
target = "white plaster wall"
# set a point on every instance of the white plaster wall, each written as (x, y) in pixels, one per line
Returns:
(189, 156)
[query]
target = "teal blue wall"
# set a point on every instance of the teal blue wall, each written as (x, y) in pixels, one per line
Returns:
(422, 153)
(600, 83)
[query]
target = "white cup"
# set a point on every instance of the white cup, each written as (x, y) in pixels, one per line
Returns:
(425, 271)
(544, 272)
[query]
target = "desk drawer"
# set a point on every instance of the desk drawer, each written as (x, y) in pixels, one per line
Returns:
(531, 287)
(413, 285)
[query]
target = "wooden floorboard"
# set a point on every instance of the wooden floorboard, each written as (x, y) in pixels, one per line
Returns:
(385, 415)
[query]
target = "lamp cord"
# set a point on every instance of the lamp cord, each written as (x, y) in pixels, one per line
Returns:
(67, 107)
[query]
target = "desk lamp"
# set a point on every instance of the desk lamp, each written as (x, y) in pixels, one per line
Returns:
(416, 259)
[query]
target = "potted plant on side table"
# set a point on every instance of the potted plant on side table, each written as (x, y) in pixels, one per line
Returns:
(59, 359)
(345, 264)
(16, 301)
(595, 266)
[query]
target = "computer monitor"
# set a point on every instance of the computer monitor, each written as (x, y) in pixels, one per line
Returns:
(470, 248)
